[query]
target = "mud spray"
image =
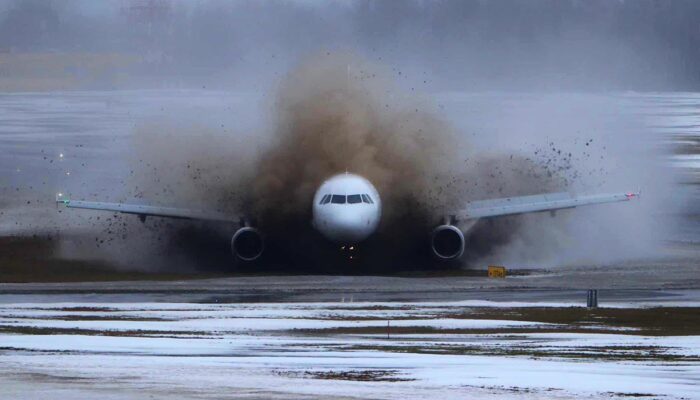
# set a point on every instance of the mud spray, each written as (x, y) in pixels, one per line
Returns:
(336, 113)
(333, 113)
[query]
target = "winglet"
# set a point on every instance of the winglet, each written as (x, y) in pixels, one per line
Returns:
(62, 198)
(633, 195)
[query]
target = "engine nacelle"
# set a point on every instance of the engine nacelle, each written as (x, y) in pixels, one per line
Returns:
(447, 242)
(247, 244)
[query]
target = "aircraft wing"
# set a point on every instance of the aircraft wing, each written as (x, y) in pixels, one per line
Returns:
(537, 203)
(145, 211)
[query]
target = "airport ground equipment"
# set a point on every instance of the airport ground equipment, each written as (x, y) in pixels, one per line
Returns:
(497, 271)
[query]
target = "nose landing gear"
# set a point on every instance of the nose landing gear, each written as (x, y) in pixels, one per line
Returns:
(349, 252)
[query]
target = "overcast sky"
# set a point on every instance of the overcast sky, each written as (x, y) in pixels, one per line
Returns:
(441, 45)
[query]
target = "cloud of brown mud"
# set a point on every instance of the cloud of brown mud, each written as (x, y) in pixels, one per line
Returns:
(336, 114)
(333, 113)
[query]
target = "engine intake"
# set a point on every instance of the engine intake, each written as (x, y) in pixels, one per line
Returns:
(247, 244)
(447, 242)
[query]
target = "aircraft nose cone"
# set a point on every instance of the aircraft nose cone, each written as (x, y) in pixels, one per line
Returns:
(349, 228)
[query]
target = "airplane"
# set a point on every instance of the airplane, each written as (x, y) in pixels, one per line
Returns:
(347, 210)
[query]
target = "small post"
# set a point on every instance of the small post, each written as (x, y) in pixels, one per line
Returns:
(592, 300)
(595, 298)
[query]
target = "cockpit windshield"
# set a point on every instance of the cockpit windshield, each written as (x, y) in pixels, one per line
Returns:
(343, 199)
(338, 199)
(354, 199)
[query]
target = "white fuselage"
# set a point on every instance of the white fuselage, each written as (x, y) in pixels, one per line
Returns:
(346, 209)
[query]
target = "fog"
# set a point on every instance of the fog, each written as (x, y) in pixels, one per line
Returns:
(429, 45)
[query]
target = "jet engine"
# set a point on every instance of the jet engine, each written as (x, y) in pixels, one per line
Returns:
(247, 244)
(447, 242)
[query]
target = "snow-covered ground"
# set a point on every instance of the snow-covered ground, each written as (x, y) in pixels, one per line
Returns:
(328, 350)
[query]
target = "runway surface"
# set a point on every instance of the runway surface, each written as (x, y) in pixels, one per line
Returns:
(353, 337)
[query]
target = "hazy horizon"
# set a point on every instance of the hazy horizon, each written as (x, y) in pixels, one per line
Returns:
(542, 45)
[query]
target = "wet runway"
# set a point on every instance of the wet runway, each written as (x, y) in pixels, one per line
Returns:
(547, 287)
(345, 337)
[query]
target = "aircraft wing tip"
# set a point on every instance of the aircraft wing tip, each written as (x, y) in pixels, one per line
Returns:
(634, 195)
(61, 198)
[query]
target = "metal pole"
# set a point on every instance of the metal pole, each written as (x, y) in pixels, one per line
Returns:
(595, 298)
(592, 298)
(588, 298)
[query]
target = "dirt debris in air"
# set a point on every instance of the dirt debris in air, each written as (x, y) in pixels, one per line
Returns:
(325, 121)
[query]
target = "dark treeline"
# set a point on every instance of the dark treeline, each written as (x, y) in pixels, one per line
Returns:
(442, 44)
